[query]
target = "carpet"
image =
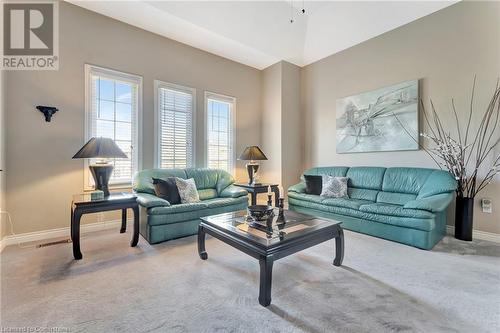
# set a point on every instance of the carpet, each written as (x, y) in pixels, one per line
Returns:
(381, 287)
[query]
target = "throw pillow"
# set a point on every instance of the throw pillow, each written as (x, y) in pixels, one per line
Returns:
(167, 189)
(314, 184)
(187, 190)
(334, 187)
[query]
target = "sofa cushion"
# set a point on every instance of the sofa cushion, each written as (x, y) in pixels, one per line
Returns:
(438, 182)
(362, 194)
(223, 202)
(329, 171)
(334, 187)
(167, 190)
(314, 184)
(395, 198)
(425, 224)
(366, 177)
(345, 202)
(143, 180)
(180, 208)
(305, 197)
(208, 193)
(395, 210)
(182, 217)
(405, 180)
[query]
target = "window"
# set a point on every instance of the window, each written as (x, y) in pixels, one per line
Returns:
(174, 110)
(113, 103)
(220, 131)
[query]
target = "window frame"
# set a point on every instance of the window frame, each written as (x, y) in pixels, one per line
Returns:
(232, 121)
(158, 84)
(113, 74)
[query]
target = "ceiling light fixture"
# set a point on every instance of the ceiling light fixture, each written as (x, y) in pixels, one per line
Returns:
(291, 10)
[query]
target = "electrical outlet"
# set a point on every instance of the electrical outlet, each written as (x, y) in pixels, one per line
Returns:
(486, 205)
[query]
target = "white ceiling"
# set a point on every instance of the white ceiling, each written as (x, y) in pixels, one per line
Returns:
(259, 33)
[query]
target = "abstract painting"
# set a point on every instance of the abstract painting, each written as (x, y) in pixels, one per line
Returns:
(378, 120)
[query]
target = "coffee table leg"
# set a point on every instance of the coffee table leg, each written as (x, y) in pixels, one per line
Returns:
(339, 248)
(135, 237)
(266, 275)
(201, 243)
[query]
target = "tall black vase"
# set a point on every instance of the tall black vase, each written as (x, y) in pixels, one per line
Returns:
(464, 212)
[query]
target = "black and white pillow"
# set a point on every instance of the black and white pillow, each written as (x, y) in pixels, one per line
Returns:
(334, 187)
(187, 190)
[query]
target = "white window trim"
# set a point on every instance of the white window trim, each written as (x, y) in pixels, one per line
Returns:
(167, 85)
(93, 69)
(232, 115)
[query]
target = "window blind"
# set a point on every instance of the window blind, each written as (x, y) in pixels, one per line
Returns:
(113, 113)
(220, 145)
(175, 139)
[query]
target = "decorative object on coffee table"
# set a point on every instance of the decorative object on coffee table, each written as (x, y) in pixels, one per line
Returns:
(260, 212)
(465, 155)
(102, 149)
(255, 189)
(252, 154)
(271, 242)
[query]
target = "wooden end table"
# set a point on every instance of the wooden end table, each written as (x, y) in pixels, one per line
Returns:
(83, 204)
(255, 189)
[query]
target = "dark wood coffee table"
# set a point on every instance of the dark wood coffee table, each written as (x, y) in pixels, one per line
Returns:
(272, 241)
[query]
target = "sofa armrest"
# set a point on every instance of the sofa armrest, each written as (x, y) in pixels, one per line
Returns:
(233, 192)
(149, 201)
(434, 203)
(298, 188)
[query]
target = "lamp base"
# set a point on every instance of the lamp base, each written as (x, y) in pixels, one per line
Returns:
(101, 174)
(252, 169)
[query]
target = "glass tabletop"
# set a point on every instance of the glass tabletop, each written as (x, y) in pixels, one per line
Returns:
(269, 232)
(84, 198)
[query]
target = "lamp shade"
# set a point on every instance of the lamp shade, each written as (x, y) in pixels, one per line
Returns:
(100, 148)
(252, 153)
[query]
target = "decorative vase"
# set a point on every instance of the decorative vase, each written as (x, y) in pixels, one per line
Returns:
(464, 212)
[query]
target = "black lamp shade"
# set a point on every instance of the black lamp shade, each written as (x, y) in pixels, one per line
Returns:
(252, 153)
(100, 148)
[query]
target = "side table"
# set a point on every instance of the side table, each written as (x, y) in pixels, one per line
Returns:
(255, 189)
(83, 204)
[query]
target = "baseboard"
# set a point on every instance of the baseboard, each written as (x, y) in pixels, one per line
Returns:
(477, 234)
(59, 232)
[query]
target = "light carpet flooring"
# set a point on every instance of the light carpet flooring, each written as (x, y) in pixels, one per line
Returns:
(381, 287)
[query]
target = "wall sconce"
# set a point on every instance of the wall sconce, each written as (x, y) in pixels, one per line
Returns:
(48, 111)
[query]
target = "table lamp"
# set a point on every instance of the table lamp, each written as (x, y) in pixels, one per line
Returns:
(102, 149)
(252, 154)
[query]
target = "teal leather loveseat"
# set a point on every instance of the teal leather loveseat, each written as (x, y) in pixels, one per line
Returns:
(406, 205)
(161, 221)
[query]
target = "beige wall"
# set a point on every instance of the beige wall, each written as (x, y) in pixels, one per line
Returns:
(271, 124)
(291, 127)
(444, 50)
(41, 174)
(281, 133)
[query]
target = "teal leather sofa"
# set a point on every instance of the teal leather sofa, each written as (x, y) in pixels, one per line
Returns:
(406, 205)
(161, 221)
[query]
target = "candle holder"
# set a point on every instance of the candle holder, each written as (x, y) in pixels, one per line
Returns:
(281, 213)
(269, 199)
